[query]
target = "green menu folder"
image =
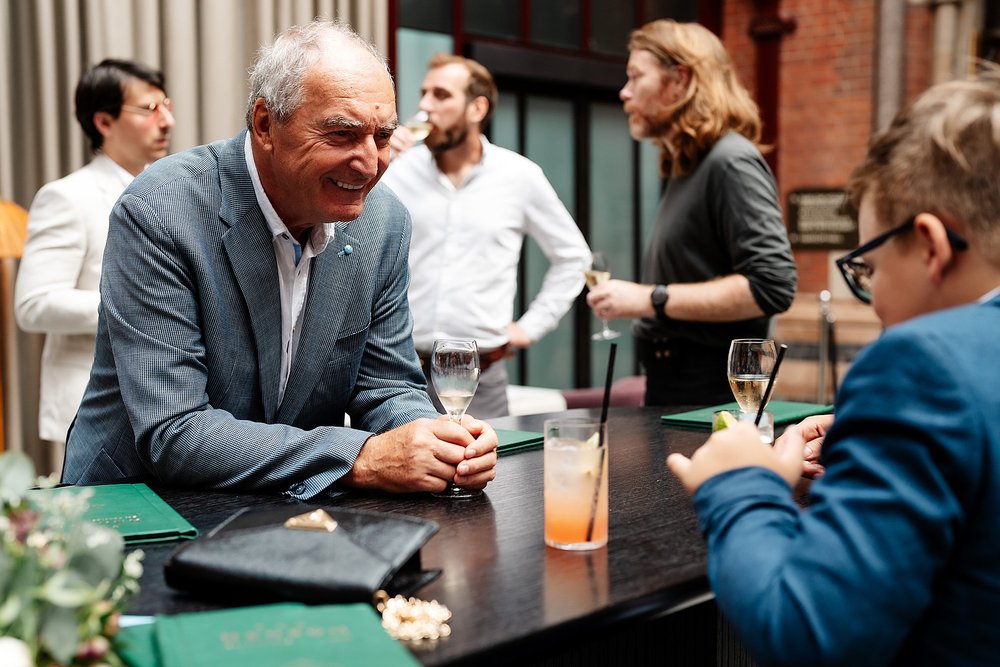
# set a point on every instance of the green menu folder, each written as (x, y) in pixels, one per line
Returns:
(136, 645)
(785, 412)
(278, 635)
(134, 510)
(516, 441)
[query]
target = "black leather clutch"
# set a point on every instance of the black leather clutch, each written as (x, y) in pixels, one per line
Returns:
(304, 554)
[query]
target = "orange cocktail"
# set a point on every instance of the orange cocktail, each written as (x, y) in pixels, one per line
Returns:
(576, 485)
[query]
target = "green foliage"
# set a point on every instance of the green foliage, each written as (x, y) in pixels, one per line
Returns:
(63, 581)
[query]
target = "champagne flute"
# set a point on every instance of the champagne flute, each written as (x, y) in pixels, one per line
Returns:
(749, 367)
(600, 272)
(419, 125)
(455, 374)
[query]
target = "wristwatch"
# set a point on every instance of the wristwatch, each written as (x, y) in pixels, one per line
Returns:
(659, 299)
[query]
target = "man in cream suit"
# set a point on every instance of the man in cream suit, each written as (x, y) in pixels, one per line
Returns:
(254, 291)
(123, 109)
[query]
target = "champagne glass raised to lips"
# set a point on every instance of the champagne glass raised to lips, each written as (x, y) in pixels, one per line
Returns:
(419, 125)
(455, 374)
(600, 272)
(750, 363)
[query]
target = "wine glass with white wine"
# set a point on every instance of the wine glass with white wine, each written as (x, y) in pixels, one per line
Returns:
(750, 363)
(419, 125)
(600, 272)
(455, 374)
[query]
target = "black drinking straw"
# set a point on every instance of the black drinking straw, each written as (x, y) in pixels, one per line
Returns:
(600, 440)
(770, 383)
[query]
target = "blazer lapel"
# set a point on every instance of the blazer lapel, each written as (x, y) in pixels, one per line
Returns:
(250, 250)
(333, 272)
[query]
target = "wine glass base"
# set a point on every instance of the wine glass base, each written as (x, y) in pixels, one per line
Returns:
(454, 492)
(606, 335)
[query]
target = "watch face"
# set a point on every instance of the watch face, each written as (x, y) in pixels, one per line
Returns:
(659, 299)
(659, 295)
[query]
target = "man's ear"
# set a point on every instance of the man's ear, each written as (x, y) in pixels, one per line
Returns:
(261, 123)
(937, 253)
(103, 121)
(477, 109)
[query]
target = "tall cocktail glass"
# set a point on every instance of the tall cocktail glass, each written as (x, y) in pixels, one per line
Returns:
(576, 484)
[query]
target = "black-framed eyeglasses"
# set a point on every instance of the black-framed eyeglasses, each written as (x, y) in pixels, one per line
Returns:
(858, 273)
(151, 108)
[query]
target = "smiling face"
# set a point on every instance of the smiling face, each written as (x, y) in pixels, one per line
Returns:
(319, 165)
(648, 95)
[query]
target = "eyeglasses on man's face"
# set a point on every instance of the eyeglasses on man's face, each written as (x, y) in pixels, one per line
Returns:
(151, 108)
(858, 273)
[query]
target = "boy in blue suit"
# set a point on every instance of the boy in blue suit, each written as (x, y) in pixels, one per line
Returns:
(897, 558)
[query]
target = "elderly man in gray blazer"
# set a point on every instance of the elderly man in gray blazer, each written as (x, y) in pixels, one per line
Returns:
(254, 291)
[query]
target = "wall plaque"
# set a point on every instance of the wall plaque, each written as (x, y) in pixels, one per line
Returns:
(816, 221)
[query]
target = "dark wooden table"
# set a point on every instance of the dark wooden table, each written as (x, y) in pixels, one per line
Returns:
(512, 597)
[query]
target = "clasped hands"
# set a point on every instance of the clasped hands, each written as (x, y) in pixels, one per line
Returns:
(795, 453)
(426, 454)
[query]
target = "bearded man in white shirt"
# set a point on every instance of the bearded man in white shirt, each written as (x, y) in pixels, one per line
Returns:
(472, 204)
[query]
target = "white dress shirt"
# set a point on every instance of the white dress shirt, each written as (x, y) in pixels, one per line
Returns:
(293, 269)
(466, 245)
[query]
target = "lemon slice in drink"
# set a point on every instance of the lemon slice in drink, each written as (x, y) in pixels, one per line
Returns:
(723, 419)
(591, 459)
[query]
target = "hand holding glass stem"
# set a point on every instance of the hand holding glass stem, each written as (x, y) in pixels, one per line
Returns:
(455, 374)
(600, 272)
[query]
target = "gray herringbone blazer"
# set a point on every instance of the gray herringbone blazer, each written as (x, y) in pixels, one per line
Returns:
(184, 388)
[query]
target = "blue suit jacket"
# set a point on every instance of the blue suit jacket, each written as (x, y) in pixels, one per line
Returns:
(184, 388)
(897, 558)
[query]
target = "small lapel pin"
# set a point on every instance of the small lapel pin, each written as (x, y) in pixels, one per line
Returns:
(346, 251)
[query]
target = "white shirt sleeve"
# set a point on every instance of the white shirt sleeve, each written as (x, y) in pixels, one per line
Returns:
(556, 233)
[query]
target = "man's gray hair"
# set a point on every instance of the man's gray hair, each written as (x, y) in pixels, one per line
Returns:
(277, 73)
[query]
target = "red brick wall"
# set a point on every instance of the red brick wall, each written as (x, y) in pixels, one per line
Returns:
(736, 16)
(919, 32)
(825, 102)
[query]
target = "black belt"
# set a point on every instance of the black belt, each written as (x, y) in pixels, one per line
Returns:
(486, 357)
(661, 349)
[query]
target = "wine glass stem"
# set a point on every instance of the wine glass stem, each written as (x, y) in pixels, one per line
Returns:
(457, 418)
(606, 329)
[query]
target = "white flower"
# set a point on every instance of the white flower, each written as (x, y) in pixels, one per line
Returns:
(48, 481)
(37, 540)
(133, 564)
(98, 538)
(15, 653)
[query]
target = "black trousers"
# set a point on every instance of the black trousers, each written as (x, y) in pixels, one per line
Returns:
(683, 372)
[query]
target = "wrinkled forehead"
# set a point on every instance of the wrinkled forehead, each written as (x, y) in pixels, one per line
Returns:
(360, 99)
(354, 75)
